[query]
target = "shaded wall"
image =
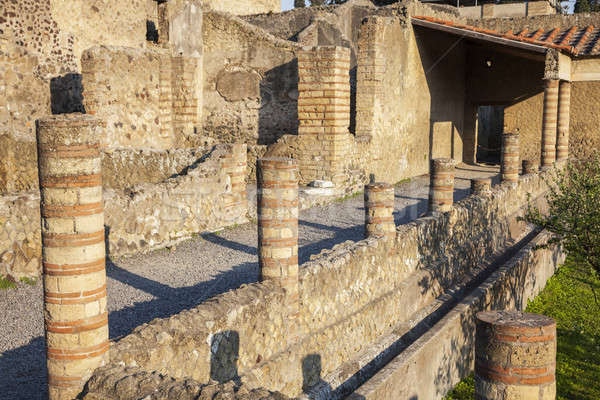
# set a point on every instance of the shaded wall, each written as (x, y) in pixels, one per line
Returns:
(250, 82)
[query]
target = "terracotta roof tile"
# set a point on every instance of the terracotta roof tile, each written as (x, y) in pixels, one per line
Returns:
(578, 41)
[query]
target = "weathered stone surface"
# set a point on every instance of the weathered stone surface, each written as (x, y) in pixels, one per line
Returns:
(238, 85)
(349, 297)
(130, 383)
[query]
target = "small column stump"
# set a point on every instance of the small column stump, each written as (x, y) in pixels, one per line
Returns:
(481, 185)
(515, 356)
(379, 209)
(441, 189)
(509, 165)
(530, 167)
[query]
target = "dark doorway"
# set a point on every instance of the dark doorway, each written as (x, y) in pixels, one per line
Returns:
(490, 125)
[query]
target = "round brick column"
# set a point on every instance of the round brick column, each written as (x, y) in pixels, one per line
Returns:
(379, 209)
(278, 224)
(481, 185)
(76, 319)
(234, 164)
(441, 190)
(530, 167)
(549, 122)
(515, 356)
(564, 113)
(509, 165)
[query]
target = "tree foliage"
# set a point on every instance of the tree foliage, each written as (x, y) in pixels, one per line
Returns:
(582, 6)
(574, 211)
(299, 4)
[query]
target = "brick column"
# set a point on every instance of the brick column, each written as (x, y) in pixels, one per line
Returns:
(515, 356)
(441, 190)
(278, 225)
(509, 165)
(530, 167)
(185, 100)
(379, 209)
(564, 113)
(481, 185)
(324, 112)
(73, 252)
(234, 164)
(549, 122)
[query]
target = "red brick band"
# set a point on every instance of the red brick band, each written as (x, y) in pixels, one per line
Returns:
(524, 376)
(81, 325)
(280, 243)
(74, 269)
(268, 203)
(78, 354)
(71, 181)
(270, 262)
(72, 240)
(64, 381)
(76, 298)
(59, 211)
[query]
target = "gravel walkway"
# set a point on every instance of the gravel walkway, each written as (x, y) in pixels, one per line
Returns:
(164, 282)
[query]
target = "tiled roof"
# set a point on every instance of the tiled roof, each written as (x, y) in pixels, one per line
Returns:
(575, 40)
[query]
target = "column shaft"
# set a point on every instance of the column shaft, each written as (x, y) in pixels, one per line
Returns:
(515, 356)
(441, 190)
(510, 158)
(549, 122)
(76, 318)
(564, 113)
(278, 225)
(481, 185)
(379, 209)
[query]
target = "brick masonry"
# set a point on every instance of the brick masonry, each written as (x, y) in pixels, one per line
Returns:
(509, 163)
(564, 115)
(379, 209)
(278, 227)
(324, 112)
(73, 254)
(441, 190)
(373, 280)
(515, 356)
(549, 122)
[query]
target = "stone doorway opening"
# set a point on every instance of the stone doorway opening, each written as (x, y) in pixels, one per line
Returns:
(490, 125)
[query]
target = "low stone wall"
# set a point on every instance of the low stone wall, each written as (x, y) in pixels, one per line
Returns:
(440, 358)
(350, 297)
(184, 192)
(205, 198)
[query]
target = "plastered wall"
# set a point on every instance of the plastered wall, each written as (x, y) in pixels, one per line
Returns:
(244, 7)
(250, 82)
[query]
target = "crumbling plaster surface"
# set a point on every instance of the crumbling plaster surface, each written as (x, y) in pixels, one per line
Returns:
(354, 293)
(244, 7)
(250, 82)
(517, 24)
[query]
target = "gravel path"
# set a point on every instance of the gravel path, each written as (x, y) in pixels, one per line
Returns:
(164, 282)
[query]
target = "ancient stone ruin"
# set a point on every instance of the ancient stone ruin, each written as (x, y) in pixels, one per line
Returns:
(131, 126)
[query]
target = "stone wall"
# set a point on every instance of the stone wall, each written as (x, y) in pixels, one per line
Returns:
(527, 9)
(204, 198)
(143, 95)
(187, 191)
(245, 7)
(45, 41)
(250, 82)
(434, 363)
(354, 293)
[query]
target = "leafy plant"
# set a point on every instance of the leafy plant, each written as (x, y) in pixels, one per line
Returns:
(573, 213)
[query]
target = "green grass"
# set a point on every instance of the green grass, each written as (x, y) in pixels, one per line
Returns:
(569, 298)
(29, 281)
(6, 283)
